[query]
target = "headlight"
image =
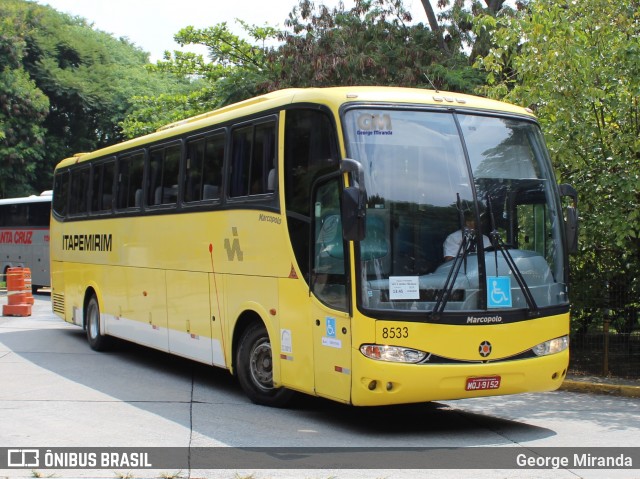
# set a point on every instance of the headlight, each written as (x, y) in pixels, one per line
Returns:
(395, 354)
(551, 347)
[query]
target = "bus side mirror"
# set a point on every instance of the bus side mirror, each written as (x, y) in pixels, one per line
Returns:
(570, 218)
(353, 212)
(354, 202)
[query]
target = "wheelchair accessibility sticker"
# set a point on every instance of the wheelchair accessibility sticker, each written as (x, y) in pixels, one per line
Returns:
(331, 327)
(329, 339)
(498, 292)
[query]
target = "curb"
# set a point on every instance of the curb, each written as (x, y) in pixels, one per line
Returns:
(597, 388)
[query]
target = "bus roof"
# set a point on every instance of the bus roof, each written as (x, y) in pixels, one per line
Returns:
(42, 198)
(334, 97)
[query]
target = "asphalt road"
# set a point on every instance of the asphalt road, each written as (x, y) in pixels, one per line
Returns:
(55, 392)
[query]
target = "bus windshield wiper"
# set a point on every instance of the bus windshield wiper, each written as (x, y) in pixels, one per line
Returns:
(498, 245)
(468, 238)
(466, 245)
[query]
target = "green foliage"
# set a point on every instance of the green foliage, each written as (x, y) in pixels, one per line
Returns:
(453, 26)
(373, 43)
(148, 113)
(23, 108)
(227, 51)
(88, 77)
(576, 64)
(234, 70)
(460, 16)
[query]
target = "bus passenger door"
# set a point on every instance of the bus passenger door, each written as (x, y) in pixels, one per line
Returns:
(329, 302)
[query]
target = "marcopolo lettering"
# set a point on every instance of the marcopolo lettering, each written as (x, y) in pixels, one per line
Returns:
(270, 219)
(484, 319)
(87, 242)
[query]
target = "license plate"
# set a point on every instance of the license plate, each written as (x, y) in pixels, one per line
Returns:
(483, 384)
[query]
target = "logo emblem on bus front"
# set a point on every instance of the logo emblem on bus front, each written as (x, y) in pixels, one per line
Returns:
(485, 349)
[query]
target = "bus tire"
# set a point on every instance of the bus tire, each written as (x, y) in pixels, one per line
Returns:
(254, 363)
(97, 340)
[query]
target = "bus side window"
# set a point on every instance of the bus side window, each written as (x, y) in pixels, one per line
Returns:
(212, 166)
(60, 193)
(329, 274)
(18, 215)
(242, 140)
(252, 157)
(102, 186)
(311, 151)
(203, 172)
(533, 224)
(262, 163)
(79, 193)
(38, 215)
(130, 173)
(164, 165)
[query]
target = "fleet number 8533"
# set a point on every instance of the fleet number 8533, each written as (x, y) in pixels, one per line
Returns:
(396, 332)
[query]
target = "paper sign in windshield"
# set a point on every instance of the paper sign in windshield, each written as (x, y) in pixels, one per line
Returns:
(404, 287)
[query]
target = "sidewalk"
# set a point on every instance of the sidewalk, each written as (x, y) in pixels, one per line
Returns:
(602, 385)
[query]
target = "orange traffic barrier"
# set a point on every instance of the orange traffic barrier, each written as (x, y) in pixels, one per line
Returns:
(18, 302)
(28, 286)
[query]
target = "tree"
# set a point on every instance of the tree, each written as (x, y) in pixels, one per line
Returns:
(434, 24)
(372, 43)
(87, 76)
(577, 65)
(453, 26)
(236, 69)
(23, 108)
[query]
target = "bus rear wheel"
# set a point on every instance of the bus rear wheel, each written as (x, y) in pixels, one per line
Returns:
(97, 340)
(254, 363)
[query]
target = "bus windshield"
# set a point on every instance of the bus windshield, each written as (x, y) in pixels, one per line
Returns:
(462, 212)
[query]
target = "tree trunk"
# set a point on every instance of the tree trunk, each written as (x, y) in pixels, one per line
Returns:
(435, 26)
(494, 6)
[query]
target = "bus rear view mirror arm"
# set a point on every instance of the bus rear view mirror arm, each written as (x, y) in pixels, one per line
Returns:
(355, 168)
(354, 202)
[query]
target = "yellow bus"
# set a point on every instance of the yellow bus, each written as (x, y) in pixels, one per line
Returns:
(297, 240)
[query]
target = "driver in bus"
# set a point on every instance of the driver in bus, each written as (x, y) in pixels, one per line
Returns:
(451, 245)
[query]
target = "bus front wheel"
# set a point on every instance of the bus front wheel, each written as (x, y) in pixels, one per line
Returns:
(254, 363)
(97, 340)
